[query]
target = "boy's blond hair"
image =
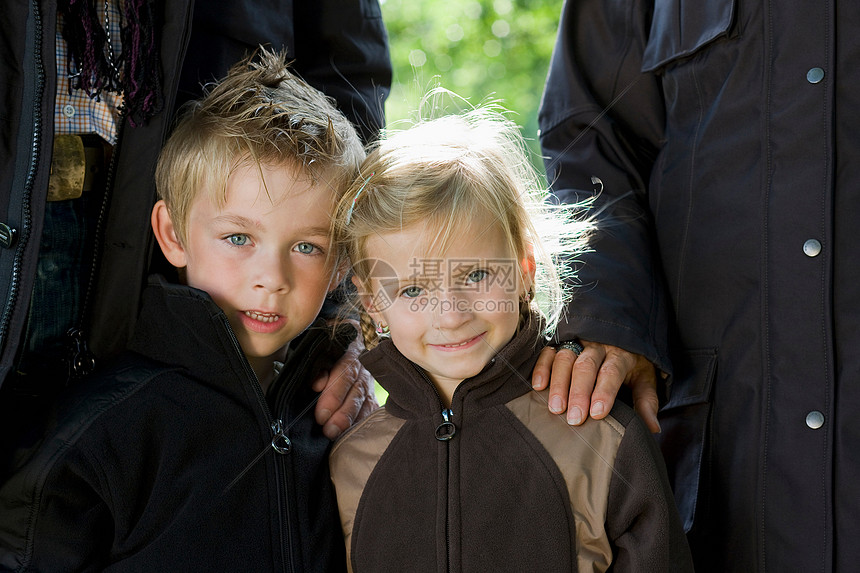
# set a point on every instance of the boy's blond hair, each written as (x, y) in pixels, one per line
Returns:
(259, 114)
(445, 173)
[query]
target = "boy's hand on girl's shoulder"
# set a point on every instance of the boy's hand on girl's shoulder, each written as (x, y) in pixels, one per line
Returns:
(586, 385)
(347, 393)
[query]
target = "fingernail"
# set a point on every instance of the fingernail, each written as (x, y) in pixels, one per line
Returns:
(324, 415)
(331, 431)
(537, 381)
(555, 404)
(597, 409)
(574, 416)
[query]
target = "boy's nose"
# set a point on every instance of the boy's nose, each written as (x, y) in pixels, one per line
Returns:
(274, 275)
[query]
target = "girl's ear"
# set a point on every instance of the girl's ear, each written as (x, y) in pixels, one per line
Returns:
(338, 276)
(529, 266)
(366, 299)
(165, 234)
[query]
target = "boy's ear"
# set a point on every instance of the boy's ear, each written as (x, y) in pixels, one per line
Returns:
(165, 234)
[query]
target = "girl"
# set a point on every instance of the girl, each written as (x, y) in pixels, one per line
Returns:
(464, 469)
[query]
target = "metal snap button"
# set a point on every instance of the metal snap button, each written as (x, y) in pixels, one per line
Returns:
(815, 75)
(815, 419)
(811, 248)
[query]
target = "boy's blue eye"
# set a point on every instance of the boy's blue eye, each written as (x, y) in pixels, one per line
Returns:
(305, 248)
(412, 291)
(238, 240)
(476, 276)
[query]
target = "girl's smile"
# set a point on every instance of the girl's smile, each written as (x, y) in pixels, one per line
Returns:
(451, 312)
(466, 344)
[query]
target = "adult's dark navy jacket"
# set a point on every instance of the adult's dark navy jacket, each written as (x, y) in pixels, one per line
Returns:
(173, 460)
(729, 161)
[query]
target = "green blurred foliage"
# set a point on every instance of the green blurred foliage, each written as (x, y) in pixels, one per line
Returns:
(479, 49)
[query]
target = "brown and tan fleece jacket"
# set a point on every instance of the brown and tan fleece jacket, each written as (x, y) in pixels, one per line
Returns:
(514, 489)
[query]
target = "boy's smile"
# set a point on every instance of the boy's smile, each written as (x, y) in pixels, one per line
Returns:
(262, 257)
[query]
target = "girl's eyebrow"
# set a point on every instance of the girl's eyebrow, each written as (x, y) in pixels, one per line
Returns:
(394, 282)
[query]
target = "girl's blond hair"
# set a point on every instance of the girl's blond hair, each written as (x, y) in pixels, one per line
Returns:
(444, 173)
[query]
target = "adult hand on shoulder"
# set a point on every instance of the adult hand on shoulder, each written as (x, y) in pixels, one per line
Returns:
(347, 393)
(593, 379)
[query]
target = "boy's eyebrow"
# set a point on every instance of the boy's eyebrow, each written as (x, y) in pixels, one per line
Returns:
(238, 221)
(245, 222)
(314, 231)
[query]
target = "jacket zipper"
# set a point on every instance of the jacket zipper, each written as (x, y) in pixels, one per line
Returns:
(281, 429)
(280, 443)
(445, 431)
(24, 238)
(82, 361)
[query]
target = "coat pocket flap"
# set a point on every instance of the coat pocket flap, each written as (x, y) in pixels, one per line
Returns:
(684, 435)
(694, 388)
(680, 27)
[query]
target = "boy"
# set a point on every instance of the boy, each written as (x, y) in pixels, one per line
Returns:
(198, 450)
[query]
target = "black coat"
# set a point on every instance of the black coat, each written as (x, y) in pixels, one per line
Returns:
(339, 47)
(167, 460)
(729, 164)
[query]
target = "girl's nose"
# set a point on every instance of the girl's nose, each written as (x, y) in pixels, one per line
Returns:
(452, 311)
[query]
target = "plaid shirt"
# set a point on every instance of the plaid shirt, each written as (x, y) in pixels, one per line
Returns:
(75, 112)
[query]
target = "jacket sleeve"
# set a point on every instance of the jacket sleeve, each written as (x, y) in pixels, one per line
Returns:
(338, 46)
(52, 516)
(342, 50)
(642, 520)
(601, 125)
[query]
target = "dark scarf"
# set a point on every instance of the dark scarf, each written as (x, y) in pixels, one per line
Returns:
(135, 72)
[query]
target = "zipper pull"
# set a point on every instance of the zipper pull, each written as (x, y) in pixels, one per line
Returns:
(446, 430)
(280, 442)
(80, 361)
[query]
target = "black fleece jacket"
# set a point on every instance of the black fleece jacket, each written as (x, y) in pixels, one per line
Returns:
(165, 462)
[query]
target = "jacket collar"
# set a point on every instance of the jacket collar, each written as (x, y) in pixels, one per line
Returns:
(181, 326)
(411, 394)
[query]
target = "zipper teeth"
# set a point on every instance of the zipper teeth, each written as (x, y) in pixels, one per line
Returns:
(283, 516)
(283, 398)
(281, 407)
(286, 530)
(258, 391)
(448, 508)
(31, 174)
(447, 471)
(430, 383)
(98, 235)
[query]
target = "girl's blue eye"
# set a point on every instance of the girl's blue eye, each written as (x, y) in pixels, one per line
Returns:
(476, 276)
(238, 240)
(305, 248)
(412, 291)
